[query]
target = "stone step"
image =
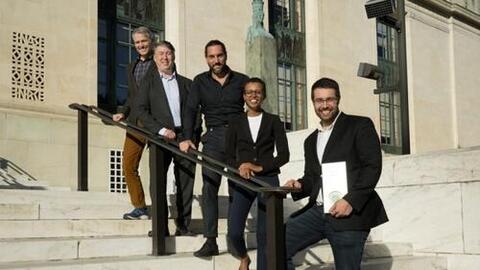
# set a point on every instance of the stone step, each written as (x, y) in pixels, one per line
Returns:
(392, 263)
(176, 261)
(72, 228)
(22, 221)
(79, 197)
(24, 211)
(61, 196)
(95, 227)
(40, 207)
(62, 248)
(80, 205)
(224, 261)
(46, 211)
(30, 204)
(322, 252)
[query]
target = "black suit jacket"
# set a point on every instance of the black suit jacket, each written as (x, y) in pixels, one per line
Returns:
(133, 89)
(240, 148)
(354, 140)
(152, 103)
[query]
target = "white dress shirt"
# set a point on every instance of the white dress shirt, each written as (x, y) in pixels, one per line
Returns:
(173, 97)
(322, 140)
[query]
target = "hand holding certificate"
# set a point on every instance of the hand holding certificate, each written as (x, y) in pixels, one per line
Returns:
(334, 183)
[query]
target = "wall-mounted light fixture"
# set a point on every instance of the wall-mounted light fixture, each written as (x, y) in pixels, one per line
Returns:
(369, 71)
(379, 8)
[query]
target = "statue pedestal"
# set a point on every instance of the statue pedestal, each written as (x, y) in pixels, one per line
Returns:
(262, 63)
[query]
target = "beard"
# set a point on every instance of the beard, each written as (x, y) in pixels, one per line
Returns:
(217, 69)
(327, 115)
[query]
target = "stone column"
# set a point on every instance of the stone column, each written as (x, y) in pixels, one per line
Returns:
(261, 56)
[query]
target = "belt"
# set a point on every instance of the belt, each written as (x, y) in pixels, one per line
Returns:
(210, 128)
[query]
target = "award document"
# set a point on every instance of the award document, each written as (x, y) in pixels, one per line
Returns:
(334, 181)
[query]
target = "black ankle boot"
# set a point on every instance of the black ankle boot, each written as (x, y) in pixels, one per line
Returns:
(209, 248)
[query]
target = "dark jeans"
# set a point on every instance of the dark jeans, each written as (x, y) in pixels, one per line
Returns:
(213, 146)
(242, 200)
(311, 226)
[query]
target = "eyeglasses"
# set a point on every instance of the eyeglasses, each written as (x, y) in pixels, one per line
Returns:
(329, 100)
(251, 93)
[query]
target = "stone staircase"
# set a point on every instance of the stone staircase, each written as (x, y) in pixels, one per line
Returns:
(59, 229)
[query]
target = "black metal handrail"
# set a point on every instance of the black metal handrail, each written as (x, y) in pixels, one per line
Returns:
(172, 146)
(174, 149)
(274, 195)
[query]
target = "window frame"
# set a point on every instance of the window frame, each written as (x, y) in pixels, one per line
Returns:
(291, 104)
(113, 67)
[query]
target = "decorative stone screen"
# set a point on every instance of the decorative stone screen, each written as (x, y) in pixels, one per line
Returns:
(117, 179)
(28, 67)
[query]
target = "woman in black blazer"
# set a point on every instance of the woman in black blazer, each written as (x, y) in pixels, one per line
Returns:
(250, 142)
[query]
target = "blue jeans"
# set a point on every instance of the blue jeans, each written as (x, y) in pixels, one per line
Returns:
(311, 226)
(242, 200)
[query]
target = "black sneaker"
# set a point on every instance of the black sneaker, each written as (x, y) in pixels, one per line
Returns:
(137, 213)
(208, 249)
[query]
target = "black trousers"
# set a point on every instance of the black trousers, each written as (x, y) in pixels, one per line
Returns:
(213, 146)
(184, 171)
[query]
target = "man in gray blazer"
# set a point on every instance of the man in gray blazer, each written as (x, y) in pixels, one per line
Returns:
(160, 105)
(134, 145)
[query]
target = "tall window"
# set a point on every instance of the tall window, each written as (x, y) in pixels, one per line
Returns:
(388, 88)
(287, 25)
(116, 21)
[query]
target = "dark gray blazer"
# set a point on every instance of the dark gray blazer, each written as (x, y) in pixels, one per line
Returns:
(354, 140)
(133, 89)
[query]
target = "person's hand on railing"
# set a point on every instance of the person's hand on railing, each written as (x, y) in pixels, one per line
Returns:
(292, 183)
(118, 117)
(247, 170)
(185, 145)
(169, 134)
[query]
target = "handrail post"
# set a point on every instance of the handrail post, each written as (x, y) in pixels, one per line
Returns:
(275, 231)
(82, 184)
(158, 178)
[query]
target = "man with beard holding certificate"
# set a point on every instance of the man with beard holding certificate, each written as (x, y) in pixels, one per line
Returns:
(339, 138)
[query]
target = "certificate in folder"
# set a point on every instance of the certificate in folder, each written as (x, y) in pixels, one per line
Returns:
(334, 183)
